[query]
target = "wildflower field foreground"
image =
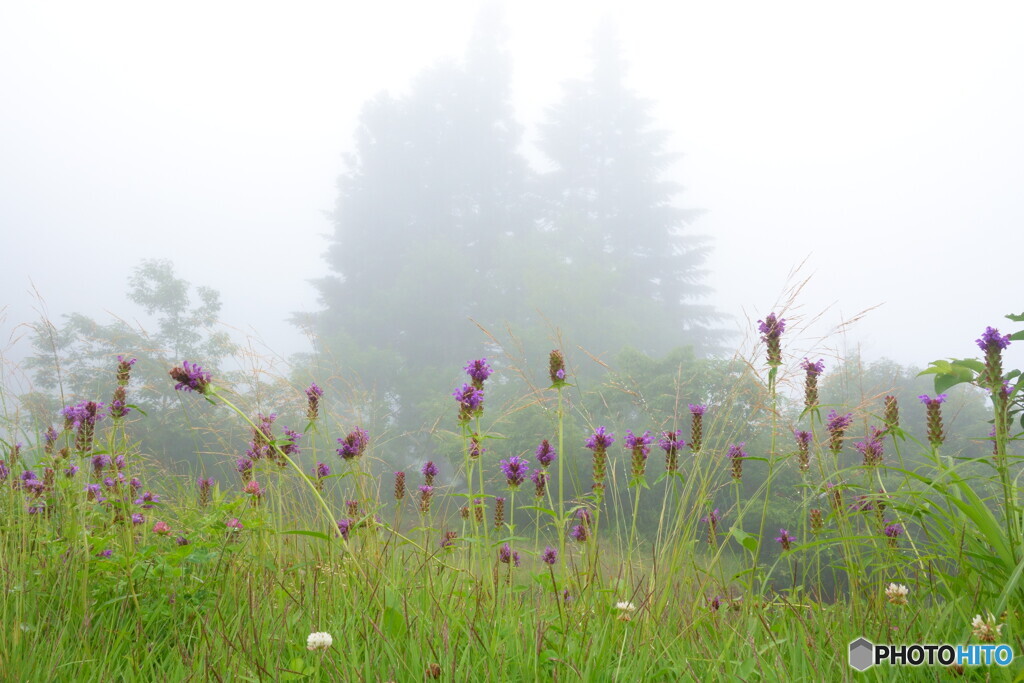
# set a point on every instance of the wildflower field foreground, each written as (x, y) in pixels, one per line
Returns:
(735, 537)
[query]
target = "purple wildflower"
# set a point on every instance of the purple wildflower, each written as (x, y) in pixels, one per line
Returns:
(345, 527)
(105, 553)
(771, 329)
(601, 439)
(811, 381)
(181, 540)
(546, 453)
(515, 470)
(425, 493)
(712, 522)
(479, 371)
(291, 447)
(49, 439)
(99, 463)
(872, 447)
(138, 518)
(579, 533)
(147, 499)
(448, 540)
(672, 443)
(244, 467)
(135, 483)
(736, 454)
(313, 396)
(354, 445)
(785, 539)
(892, 533)
(837, 425)
(70, 472)
(549, 556)
(471, 401)
(475, 449)
(234, 524)
(190, 377)
(508, 556)
(641, 448)
(429, 471)
(990, 339)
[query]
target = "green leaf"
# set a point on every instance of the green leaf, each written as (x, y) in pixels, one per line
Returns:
(1017, 318)
(314, 534)
(748, 541)
(971, 364)
(394, 623)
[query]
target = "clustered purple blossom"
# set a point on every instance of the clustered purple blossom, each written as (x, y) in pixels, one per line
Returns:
(990, 339)
(736, 454)
(313, 396)
(345, 527)
(836, 425)
(321, 470)
(82, 417)
(191, 377)
(579, 533)
(771, 329)
(515, 469)
(478, 371)
(872, 447)
(354, 445)
(429, 471)
(672, 443)
(546, 453)
(508, 556)
(785, 539)
(892, 533)
(549, 556)
(471, 401)
(641, 448)
(811, 381)
(291, 445)
(147, 499)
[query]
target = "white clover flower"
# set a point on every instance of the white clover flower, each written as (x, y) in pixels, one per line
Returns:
(897, 593)
(625, 606)
(986, 630)
(319, 641)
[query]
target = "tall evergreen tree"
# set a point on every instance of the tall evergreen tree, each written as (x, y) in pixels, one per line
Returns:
(434, 191)
(612, 204)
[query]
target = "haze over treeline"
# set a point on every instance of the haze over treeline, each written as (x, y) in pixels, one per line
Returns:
(620, 184)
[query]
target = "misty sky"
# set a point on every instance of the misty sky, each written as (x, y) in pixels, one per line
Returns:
(882, 142)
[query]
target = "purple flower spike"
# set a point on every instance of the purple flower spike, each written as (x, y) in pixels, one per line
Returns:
(190, 377)
(546, 453)
(354, 445)
(990, 339)
(785, 539)
(697, 409)
(471, 401)
(429, 471)
(516, 469)
(771, 329)
(550, 556)
(600, 439)
(479, 371)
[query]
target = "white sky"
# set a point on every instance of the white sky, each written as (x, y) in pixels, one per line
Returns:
(883, 142)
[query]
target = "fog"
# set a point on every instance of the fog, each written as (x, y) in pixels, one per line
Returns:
(875, 150)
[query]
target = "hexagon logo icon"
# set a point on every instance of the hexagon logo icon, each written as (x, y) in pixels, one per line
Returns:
(861, 654)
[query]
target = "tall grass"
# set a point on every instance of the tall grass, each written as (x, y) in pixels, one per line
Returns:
(101, 582)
